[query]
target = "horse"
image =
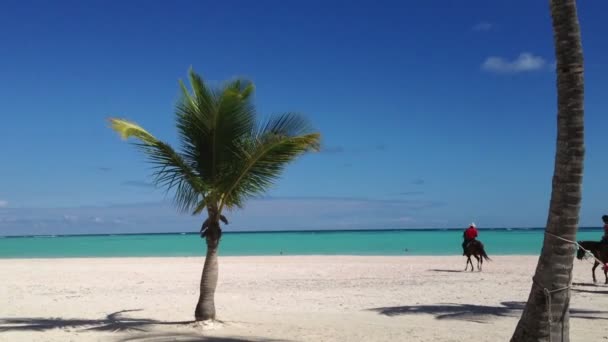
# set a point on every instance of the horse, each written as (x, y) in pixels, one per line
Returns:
(599, 251)
(475, 248)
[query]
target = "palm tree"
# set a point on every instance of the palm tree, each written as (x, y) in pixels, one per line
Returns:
(546, 317)
(226, 157)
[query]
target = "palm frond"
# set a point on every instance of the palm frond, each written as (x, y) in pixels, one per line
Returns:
(235, 120)
(288, 125)
(194, 115)
(274, 145)
(171, 171)
(127, 129)
(212, 123)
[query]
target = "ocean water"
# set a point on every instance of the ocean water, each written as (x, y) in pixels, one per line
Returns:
(371, 242)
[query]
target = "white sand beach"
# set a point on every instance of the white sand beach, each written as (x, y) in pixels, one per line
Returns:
(287, 298)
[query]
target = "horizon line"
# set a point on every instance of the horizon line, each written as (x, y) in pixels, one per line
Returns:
(284, 231)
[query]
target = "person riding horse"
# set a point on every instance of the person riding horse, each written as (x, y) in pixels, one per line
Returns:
(469, 236)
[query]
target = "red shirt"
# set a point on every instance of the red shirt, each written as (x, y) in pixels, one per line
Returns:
(470, 233)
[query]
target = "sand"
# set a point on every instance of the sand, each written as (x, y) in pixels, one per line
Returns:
(282, 298)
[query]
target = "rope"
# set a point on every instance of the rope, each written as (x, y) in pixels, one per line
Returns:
(587, 252)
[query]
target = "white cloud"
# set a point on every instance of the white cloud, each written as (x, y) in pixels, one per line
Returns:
(3, 203)
(524, 62)
(483, 26)
(70, 218)
(404, 219)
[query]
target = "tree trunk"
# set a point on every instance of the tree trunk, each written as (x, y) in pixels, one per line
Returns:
(546, 315)
(205, 308)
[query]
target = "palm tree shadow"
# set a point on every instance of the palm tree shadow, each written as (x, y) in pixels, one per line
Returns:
(596, 285)
(192, 337)
(112, 322)
(477, 313)
(589, 291)
(447, 271)
(585, 284)
(117, 322)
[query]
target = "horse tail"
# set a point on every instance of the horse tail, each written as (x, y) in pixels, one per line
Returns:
(483, 254)
(580, 252)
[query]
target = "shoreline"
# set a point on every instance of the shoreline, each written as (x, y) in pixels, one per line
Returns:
(263, 256)
(282, 298)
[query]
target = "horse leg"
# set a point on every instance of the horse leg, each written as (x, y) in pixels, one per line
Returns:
(606, 273)
(480, 263)
(595, 264)
(478, 267)
(466, 266)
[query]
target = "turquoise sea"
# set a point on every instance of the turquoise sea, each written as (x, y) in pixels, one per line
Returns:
(366, 242)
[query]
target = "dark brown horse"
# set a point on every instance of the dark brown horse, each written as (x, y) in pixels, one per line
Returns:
(475, 248)
(599, 251)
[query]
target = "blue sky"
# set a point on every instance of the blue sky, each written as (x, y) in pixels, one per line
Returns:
(433, 113)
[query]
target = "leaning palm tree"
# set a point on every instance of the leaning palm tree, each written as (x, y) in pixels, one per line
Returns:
(546, 317)
(226, 157)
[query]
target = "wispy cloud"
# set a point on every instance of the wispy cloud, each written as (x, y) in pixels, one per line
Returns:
(333, 149)
(3, 203)
(138, 184)
(418, 181)
(404, 219)
(363, 149)
(410, 193)
(525, 62)
(483, 26)
(380, 147)
(356, 200)
(70, 218)
(275, 213)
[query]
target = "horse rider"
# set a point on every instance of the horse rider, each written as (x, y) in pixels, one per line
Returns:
(469, 235)
(605, 237)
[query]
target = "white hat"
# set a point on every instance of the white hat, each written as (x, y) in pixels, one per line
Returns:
(473, 225)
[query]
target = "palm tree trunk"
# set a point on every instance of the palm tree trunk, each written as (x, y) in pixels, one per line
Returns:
(546, 315)
(205, 308)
